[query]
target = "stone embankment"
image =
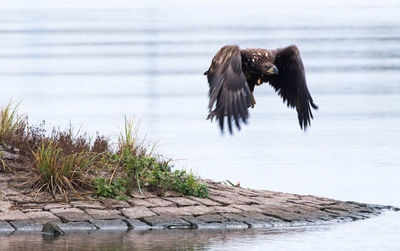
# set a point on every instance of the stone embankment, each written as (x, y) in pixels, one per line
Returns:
(227, 207)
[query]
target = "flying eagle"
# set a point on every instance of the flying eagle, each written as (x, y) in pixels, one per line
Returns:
(234, 73)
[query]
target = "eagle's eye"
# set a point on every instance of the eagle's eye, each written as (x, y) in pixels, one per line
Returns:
(271, 69)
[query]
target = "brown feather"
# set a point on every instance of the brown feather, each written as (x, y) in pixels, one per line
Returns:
(234, 73)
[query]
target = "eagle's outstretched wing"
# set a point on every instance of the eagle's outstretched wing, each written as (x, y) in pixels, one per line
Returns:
(228, 87)
(291, 85)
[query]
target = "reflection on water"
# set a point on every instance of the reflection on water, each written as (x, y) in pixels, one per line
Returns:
(90, 61)
(382, 231)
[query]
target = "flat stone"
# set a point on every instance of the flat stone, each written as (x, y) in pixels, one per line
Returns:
(219, 192)
(200, 224)
(205, 201)
(115, 204)
(253, 215)
(283, 215)
(52, 228)
(234, 217)
(137, 212)
(25, 199)
(137, 225)
(27, 226)
(212, 218)
(98, 214)
(70, 214)
(160, 202)
(310, 209)
(249, 208)
(3, 185)
(136, 194)
(246, 192)
(255, 220)
(76, 226)
(10, 192)
(43, 217)
(335, 212)
(214, 223)
(140, 202)
(49, 206)
(88, 204)
(13, 215)
(181, 201)
(170, 211)
(269, 194)
(5, 205)
(223, 200)
(199, 210)
(229, 197)
(274, 203)
(28, 210)
(240, 199)
(234, 225)
(226, 209)
(5, 227)
(172, 194)
(167, 222)
(110, 224)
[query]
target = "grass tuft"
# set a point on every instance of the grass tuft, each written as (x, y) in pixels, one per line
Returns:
(58, 173)
(10, 120)
(67, 162)
(128, 138)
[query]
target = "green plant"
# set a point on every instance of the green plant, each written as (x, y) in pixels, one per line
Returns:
(133, 167)
(59, 173)
(162, 180)
(128, 139)
(157, 175)
(65, 161)
(114, 190)
(189, 184)
(10, 121)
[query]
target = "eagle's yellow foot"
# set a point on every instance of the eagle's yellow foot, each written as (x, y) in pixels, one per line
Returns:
(253, 100)
(259, 82)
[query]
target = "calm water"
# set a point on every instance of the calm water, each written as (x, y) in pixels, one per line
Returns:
(90, 62)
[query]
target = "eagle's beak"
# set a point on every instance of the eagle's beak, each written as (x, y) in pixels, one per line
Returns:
(272, 70)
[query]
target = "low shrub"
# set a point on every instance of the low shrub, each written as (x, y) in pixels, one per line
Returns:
(179, 181)
(66, 161)
(114, 190)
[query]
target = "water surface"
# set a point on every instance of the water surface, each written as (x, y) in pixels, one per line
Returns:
(90, 62)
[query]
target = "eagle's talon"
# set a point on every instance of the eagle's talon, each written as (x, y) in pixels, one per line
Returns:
(210, 117)
(253, 100)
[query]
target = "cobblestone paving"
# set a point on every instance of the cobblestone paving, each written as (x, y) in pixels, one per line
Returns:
(227, 207)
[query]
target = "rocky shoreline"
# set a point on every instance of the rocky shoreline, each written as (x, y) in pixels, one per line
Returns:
(228, 207)
(39, 189)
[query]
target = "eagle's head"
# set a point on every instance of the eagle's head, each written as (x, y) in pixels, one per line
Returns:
(270, 69)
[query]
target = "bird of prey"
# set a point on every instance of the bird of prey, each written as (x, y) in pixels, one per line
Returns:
(234, 73)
